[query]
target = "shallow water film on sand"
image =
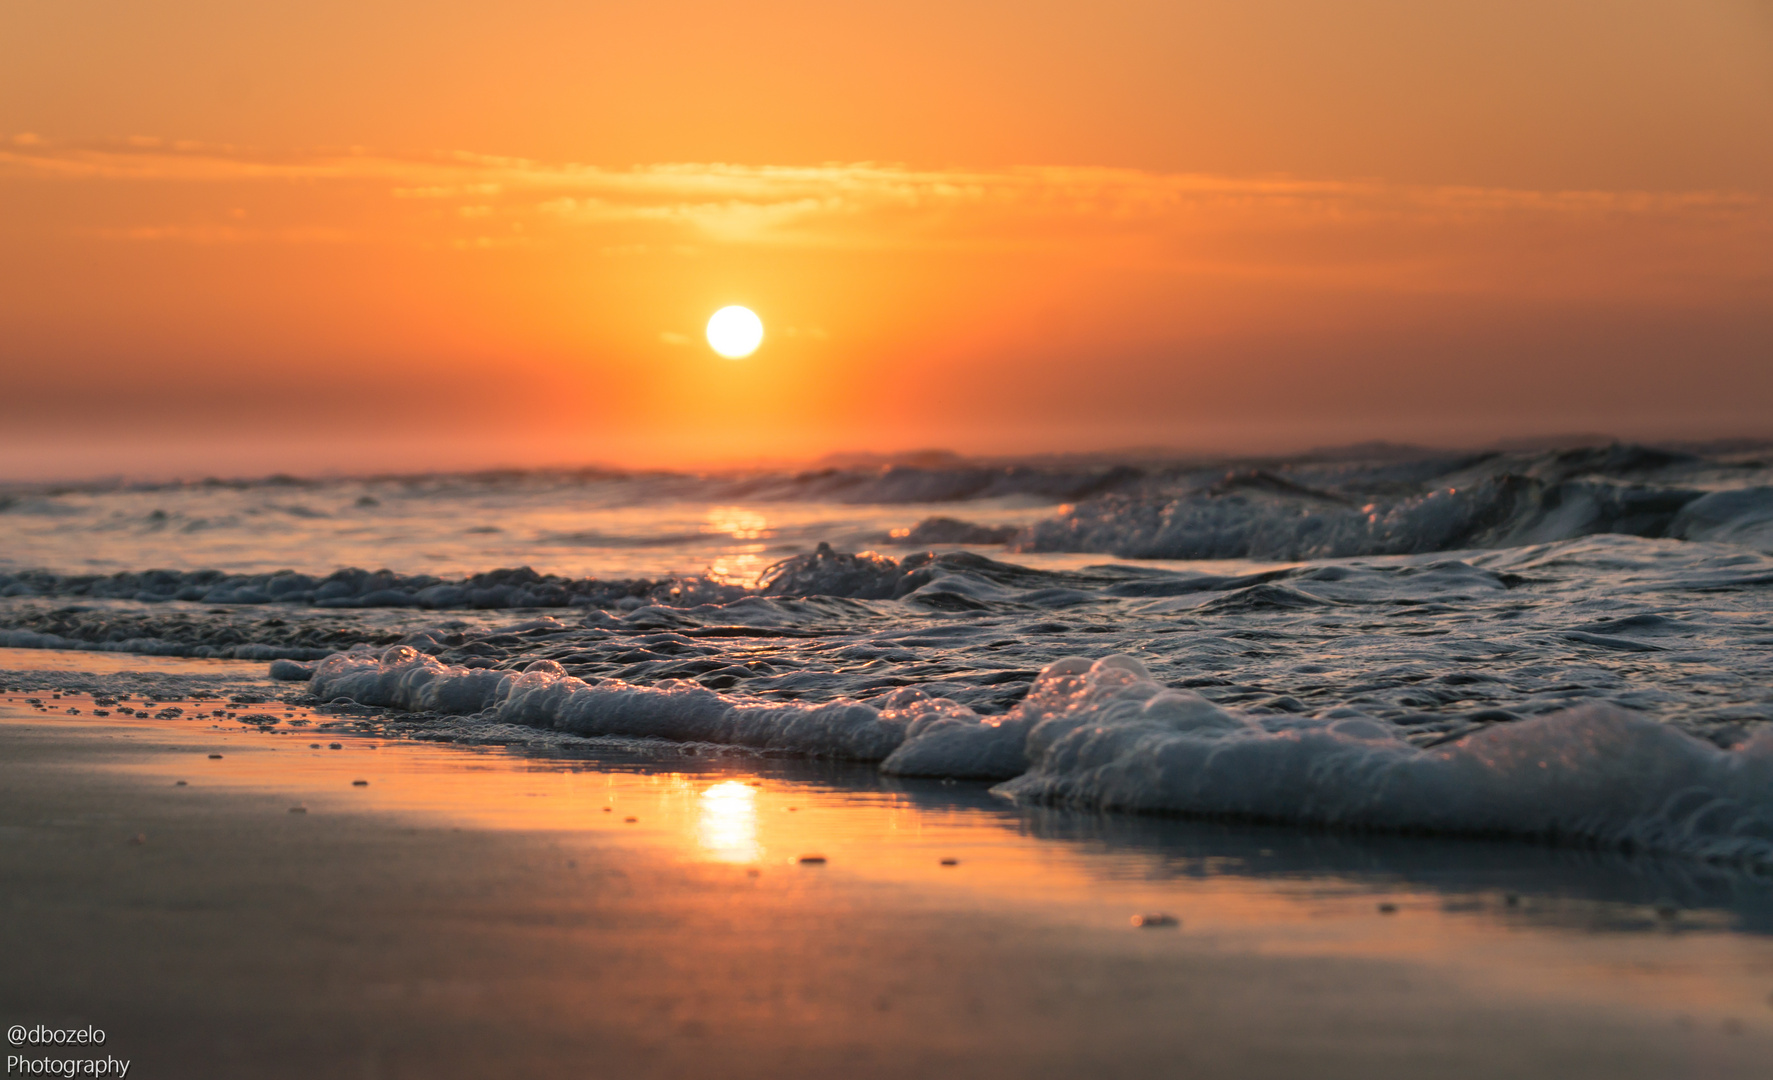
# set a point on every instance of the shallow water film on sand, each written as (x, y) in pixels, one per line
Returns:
(1570, 645)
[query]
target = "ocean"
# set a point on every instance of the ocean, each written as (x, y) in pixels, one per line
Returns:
(1572, 645)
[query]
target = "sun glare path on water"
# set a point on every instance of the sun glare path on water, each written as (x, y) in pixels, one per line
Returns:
(735, 332)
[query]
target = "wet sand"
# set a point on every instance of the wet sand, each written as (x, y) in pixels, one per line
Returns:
(438, 933)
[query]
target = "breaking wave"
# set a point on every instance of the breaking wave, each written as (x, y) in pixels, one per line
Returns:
(1267, 521)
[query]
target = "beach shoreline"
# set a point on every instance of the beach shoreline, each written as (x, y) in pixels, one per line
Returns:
(212, 932)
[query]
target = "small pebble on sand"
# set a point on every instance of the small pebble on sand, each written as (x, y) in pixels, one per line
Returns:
(630, 820)
(812, 860)
(215, 757)
(1155, 919)
(179, 783)
(1388, 909)
(335, 746)
(950, 862)
(360, 783)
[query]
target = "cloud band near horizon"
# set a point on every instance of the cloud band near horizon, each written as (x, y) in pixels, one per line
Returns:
(1363, 233)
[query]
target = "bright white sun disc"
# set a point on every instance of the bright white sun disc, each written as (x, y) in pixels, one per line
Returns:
(735, 332)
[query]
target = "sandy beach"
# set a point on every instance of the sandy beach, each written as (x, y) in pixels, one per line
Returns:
(487, 917)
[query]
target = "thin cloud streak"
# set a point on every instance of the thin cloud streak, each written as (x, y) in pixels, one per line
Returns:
(1363, 233)
(684, 189)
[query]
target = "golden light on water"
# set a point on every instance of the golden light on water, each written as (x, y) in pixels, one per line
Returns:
(735, 332)
(738, 522)
(743, 563)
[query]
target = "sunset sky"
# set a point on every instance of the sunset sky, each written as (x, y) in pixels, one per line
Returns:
(320, 237)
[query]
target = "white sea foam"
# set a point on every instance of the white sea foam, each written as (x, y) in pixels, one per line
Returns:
(1105, 734)
(1108, 736)
(544, 696)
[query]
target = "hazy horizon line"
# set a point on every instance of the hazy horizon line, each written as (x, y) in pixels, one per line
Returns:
(929, 458)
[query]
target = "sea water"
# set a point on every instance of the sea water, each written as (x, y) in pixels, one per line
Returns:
(1571, 645)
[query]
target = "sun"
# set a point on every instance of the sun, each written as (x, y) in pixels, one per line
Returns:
(735, 332)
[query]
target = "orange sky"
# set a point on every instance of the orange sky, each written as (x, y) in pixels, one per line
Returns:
(327, 236)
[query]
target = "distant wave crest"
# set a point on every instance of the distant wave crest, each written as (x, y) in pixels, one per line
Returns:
(1491, 502)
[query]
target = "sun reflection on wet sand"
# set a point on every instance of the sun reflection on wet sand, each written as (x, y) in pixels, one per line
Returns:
(727, 824)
